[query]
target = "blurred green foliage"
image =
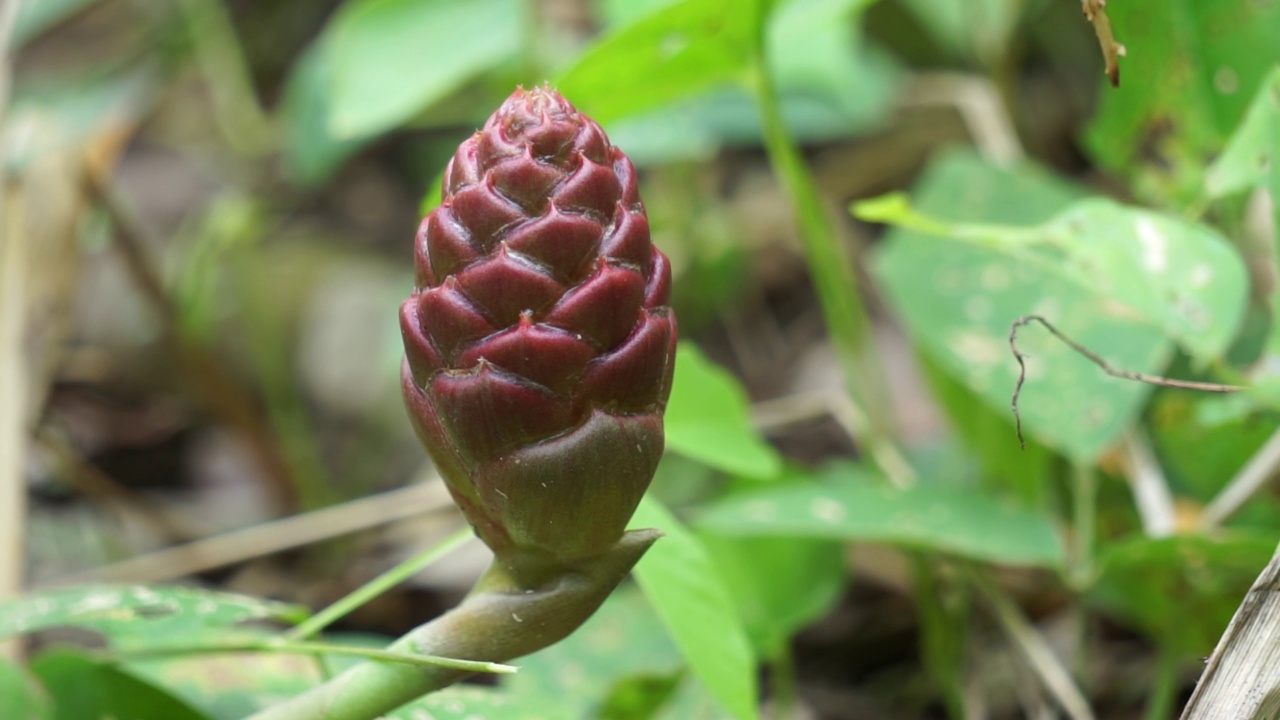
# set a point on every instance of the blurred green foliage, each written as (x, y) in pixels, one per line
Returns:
(1139, 225)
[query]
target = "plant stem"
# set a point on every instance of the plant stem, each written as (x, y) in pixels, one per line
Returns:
(375, 587)
(516, 608)
(782, 683)
(1023, 635)
(245, 126)
(1165, 686)
(942, 632)
(830, 263)
(1084, 510)
(315, 648)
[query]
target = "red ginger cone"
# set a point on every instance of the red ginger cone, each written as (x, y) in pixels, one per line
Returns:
(539, 341)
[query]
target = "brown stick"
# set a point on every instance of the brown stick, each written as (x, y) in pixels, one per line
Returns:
(1096, 360)
(1112, 51)
(215, 387)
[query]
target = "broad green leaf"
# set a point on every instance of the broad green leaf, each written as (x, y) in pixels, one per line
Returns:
(623, 641)
(1190, 71)
(821, 62)
(140, 616)
(987, 433)
(1124, 282)
(1201, 440)
(682, 583)
(780, 584)
(21, 698)
(708, 419)
(392, 58)
(831, 84)
(849, 502)
(616, 14)
(312, 150)
(620, 664)
(1246, 163)
(1183, 590)
(461, 702)
(670, 54)
(85, 688)
(231, 686)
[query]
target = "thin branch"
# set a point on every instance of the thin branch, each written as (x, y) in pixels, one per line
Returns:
(768, 415)
(1151, 492)
(1112, 51)
(1033, 647)
(1096, 360)
(216, 388)
(252, 542)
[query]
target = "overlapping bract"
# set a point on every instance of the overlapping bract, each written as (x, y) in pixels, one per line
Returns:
(539, 340)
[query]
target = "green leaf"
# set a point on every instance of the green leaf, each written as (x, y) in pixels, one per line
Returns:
(21, 698)
(312, 151)
(469, 703)
(1182, 590)
(682, 583)
(987, 433)
(1246, 162)
(670, 54)
(623, 640)
(231, 686)
(392, 58)
(831, 83)
(139, 616)
(1122, 282)
(708, 419)
(1190, 71)
(780, 584)
(87, 688)
(849, 502)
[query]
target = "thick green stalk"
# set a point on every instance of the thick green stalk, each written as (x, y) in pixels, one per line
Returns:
(516, 608)
(830, 263)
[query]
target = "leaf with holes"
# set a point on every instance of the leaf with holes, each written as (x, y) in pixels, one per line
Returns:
(1126, 283)
(137, 616)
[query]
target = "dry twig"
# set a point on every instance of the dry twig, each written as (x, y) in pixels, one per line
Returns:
(1241, 680)
(1112, 51)
(1096, 360)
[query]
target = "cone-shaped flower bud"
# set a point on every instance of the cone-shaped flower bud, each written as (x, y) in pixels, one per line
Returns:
(539, 340)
